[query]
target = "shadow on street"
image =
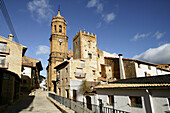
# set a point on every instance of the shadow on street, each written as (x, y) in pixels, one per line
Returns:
(23, 103)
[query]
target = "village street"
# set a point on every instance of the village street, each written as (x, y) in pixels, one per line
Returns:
(34, 104)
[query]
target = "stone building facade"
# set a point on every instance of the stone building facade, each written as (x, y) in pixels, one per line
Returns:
(11, 54)
(30, 78)
(58, 48)
(65, 72)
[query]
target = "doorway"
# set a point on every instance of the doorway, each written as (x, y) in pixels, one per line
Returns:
(88, 101)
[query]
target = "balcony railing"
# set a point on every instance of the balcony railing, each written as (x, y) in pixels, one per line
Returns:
(80, 75)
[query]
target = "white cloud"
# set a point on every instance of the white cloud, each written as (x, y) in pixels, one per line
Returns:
(99, 7)
(109, 17)
(42, 50)
(137, 36)
(158, 35)
(92, 3)
(156, 55)
(97, 4)
(40, 10)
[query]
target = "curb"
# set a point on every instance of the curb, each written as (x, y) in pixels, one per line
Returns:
(61, 107)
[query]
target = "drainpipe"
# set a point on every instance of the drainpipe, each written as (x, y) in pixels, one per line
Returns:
(122, 71)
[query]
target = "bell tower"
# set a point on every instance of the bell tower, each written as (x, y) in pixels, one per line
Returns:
(58, 47)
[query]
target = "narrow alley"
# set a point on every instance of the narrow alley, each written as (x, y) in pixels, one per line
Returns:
(36, 102)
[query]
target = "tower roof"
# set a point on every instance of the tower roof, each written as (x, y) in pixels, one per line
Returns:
(58, 17)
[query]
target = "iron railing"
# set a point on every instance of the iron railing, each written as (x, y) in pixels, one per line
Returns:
(80, 107)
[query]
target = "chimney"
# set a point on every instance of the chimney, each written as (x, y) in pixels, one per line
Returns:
(122, 71)
(10, 36)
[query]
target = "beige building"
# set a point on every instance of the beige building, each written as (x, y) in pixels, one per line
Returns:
(65, 72)
(11, 54)
(30, 78)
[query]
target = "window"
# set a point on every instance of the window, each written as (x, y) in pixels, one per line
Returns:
(111, 99)
(67, 93)
(135, 101)
(89, 55)
(139, 65)
(149, 67)
(66, 80)
(82, 64)
(2, 61)
(98, 56)
(55, 28)
(93, 72)
(67, 70)
(60, 28)
(2, 47)
(89, 42)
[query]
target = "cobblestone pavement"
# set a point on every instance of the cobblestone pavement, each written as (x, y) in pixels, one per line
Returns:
(34, 104)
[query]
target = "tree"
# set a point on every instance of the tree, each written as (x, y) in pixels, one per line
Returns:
(85, 87)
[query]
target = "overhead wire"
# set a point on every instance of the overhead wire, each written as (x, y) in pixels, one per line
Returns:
(8, 20)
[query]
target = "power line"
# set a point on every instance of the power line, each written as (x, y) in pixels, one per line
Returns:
(8, 20)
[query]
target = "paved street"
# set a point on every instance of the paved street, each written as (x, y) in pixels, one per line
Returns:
(34, 104)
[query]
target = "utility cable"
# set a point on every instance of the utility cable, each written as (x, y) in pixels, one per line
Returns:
(8, 20)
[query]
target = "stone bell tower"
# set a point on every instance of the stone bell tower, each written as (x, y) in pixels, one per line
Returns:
(58, 48)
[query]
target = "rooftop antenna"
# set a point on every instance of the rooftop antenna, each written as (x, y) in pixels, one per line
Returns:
(59, 7)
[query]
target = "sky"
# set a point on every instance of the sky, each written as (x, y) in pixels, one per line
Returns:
(138, 29)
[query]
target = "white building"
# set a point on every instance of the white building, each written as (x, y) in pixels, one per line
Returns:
(139, 95)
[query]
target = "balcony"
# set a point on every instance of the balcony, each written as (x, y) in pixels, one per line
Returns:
(4, 65)
(80, 75)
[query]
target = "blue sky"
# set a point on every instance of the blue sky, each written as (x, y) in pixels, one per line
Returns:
(136, 28)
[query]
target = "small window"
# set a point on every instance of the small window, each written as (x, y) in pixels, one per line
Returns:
(67, 70)
(82, 64)
(135, 101)
(55, 28)
(93, 72)
(66, 80)
(60, 28)
(89, 42)
(89, 55)
(98, 56)
(149, 67)
(139, 65)
(111, 99)
(2, 47)
(2, 61)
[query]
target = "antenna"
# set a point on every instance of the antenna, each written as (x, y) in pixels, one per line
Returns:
(59, 7)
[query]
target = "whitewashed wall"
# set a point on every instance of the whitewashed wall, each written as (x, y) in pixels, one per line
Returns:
(158, 101)
(27, 71)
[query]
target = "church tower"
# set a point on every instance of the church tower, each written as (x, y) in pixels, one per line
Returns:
(58, 48)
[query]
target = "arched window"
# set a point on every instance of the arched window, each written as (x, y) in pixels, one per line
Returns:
(55, 28)
(60, 28)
